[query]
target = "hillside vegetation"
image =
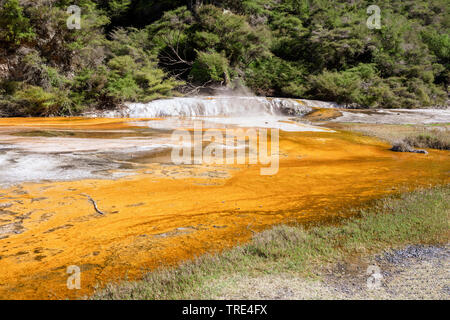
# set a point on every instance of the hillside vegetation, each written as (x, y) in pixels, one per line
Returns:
(136, 50)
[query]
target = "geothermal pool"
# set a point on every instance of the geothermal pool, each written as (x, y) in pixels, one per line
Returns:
(157, 213)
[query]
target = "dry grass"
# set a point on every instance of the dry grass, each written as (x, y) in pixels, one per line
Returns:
(435, 139)
(411, 136)
(411, 218)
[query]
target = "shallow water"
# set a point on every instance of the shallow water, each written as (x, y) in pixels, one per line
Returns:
(33, 150)
(158, 213)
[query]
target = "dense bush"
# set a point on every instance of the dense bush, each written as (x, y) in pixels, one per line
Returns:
(57, 71)
(136, 50)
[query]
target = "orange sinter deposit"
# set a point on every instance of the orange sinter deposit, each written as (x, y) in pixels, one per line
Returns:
(162, 213)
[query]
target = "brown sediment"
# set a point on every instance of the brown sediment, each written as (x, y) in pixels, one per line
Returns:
(71, 123)
(322, 114)
(300, 101)
(166, 213)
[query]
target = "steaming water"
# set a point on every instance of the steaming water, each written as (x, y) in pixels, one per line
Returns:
(212, 106)
(222, 111)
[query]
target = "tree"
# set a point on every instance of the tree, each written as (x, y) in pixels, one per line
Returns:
(14, 26)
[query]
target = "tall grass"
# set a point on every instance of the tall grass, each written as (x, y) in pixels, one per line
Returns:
(436, 139)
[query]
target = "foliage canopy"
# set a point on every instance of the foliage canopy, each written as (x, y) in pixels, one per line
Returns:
(136, 50)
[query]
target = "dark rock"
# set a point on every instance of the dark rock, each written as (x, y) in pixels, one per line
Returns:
(404, 147)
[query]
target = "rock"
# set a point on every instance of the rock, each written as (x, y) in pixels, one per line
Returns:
(404, 147)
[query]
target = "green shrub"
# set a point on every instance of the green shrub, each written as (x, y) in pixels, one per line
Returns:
(274, 76)
(211, 67)
(35, 101)
(14, 26)
(344, 87)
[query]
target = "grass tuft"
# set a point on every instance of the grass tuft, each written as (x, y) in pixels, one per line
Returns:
(435, 139)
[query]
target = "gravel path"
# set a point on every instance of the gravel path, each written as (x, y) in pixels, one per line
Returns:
(415, 272)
